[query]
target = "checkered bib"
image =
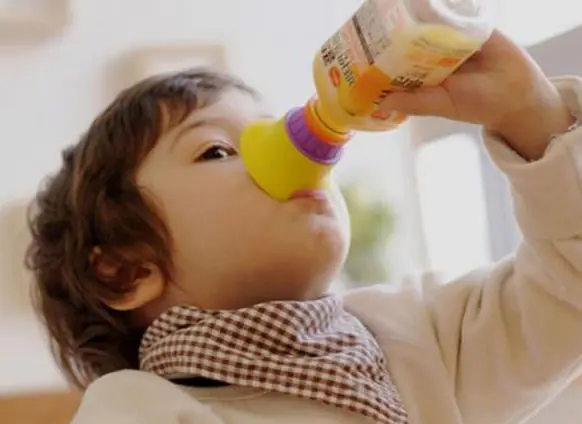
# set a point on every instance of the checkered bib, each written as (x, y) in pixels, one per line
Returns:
(313, 349)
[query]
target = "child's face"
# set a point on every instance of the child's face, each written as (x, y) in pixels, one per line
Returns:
(233, 245)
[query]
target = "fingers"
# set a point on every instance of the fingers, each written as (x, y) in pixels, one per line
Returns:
(499, 45)
(433, 101)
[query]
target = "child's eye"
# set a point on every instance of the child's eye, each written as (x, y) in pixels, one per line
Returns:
(216, 152)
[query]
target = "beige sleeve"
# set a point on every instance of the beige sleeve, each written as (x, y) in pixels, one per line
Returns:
(511, 335)
(134, 397)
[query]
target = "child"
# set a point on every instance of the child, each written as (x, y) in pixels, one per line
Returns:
(178, 292)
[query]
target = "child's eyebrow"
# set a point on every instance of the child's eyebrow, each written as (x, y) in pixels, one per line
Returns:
(203, 122)
(193, 125)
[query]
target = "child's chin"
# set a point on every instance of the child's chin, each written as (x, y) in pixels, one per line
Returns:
(332, 230)
(326, 253)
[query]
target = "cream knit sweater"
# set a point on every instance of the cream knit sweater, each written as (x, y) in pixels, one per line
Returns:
(492, 347)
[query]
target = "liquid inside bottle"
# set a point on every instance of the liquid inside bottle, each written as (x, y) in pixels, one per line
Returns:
(393, 45)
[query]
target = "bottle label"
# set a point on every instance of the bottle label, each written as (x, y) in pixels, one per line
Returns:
(385, 48)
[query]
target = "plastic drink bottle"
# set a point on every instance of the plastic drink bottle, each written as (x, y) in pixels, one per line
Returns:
(387, 45)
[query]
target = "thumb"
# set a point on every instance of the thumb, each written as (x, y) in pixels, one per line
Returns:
(433, 101)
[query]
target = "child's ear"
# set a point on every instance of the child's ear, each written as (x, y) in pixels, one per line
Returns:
(147, 285)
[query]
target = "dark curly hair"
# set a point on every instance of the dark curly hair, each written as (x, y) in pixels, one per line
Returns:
(93, 201)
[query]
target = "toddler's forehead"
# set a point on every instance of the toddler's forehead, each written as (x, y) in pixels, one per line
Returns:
(232, 105)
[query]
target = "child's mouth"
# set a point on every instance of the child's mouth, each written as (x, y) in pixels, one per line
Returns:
(317, 201)
(310, 194)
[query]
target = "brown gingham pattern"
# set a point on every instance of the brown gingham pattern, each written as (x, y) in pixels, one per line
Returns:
(314, 350)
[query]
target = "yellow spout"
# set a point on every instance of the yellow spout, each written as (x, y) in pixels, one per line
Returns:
(291, 154)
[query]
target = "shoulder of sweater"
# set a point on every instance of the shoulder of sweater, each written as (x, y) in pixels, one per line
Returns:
(129, 381)
(391, 309)
(412, 287)
(139, 393)
(405, 309)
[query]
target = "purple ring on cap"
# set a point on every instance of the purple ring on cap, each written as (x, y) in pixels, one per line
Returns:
(308, 142)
